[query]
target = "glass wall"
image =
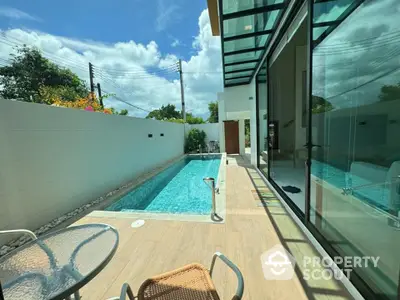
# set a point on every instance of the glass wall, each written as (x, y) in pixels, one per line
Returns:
(262, 120)
(355, 105)
(287, 74)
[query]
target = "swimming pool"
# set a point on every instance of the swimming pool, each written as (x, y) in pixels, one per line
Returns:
(179, 189)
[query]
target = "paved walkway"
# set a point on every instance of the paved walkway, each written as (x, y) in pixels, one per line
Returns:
(255, 222)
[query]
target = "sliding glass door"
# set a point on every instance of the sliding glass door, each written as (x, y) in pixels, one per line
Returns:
(355, 106)
(287, 78)
(346, 127)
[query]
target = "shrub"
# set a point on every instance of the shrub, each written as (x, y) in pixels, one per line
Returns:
(194, 139)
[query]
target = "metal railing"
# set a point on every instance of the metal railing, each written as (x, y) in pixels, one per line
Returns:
(211, 183)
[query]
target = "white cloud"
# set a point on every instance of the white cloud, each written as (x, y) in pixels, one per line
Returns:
(134, 71)
(353, 63)
(167, 13)
(175, 43)
(13, 13)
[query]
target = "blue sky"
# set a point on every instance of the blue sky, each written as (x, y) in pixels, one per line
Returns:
(165, 21)
(123, 35)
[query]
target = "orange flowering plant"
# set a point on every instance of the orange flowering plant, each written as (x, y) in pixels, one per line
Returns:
(54, 96)
(89, 103)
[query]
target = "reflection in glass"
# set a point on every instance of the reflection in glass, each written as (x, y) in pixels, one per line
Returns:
(250, 23)
(240, 66)
(287, 116)
(355, 181)
(231, 6)
(238, 74)
(246, 43)
(242, 57)
(237, 81)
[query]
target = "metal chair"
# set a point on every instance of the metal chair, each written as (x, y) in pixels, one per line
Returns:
(191, 282)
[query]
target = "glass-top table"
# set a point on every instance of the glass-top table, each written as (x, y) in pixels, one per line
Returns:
(58, 264)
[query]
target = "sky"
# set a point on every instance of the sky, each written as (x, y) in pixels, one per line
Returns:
(133, 44)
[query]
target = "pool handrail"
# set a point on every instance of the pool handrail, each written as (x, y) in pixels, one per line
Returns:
(212, 187)
(349, 190)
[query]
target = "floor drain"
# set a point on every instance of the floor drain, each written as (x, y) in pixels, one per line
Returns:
(137, 224)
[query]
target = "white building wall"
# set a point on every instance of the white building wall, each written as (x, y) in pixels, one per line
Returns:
(53, 160)
(237, 105)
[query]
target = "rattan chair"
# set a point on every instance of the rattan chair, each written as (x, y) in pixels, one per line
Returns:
(191, 282)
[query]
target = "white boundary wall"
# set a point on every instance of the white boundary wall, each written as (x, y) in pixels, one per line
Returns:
(53, 160)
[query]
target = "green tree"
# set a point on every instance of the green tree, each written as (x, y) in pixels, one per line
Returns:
(164, 113)
(30, 71)
(320, 105)
(169, 113)
(123, 112)
(390, 92)
(213, 108)
(196, 138)
(194, 120)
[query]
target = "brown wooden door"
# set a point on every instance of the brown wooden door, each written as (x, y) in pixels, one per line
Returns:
(231, 137)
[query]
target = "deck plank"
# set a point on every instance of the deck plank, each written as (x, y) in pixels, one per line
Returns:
(248, 231)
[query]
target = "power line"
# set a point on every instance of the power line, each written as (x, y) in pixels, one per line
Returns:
(170, 68)
(144, 82)
(8, 39)
(19, 42)
(101, 72)
(51, 57)
(130, 104)
(137, 73)
(117, 86)
(353, 49)
(144, 73)
(383, 36)
(376, 60)
(365, 83)
(133, 77)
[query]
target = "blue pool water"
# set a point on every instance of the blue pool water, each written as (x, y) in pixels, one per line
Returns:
(178, 189)
(376, 195)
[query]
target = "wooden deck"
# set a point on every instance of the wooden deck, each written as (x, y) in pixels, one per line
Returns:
(250, 229)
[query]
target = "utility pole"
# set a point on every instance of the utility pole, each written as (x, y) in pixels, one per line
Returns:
(100, 97)
(91, 76)
(182, 91)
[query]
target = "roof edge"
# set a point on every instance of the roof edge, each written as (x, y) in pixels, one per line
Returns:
(214, 18)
